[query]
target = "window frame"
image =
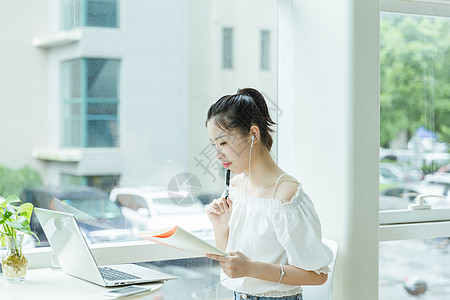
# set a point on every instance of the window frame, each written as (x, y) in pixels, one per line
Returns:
(84, 101)
(412, 224)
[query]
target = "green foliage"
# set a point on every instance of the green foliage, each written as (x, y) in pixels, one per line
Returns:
(414, 76)
(13, 182)
(431, 168)
(14, 218)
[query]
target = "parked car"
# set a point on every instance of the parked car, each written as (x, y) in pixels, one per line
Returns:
(393, 202)
(444, 169)
(409, 191)
(439, 178)
(100, 220)
(399, 173)
(154, 208)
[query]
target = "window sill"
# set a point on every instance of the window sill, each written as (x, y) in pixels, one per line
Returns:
(60, 155)
(116, 253)
(60, 39)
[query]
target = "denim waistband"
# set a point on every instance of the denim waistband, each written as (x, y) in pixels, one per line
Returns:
(239, 296)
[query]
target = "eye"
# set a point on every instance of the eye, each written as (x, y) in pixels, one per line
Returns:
(223, 143)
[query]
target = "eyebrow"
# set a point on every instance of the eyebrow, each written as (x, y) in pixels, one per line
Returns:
(220, 136)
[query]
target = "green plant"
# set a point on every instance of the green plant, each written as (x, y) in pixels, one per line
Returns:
(15, 218)
(14, 181)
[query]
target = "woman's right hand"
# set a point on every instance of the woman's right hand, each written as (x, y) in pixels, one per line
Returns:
(219, 211)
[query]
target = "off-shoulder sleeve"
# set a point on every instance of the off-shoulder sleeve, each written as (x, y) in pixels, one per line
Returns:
(298, 229)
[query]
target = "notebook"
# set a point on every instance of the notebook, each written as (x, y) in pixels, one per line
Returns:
(76, 259)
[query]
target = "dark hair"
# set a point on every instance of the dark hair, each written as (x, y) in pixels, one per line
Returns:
(241, 111)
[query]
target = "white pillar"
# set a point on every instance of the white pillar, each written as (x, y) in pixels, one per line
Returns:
(336, 131)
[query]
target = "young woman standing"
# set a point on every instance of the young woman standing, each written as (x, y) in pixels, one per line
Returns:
(267, 224)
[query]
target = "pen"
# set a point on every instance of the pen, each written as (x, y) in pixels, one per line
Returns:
(227, 182)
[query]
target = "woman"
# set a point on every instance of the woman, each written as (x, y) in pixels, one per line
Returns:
(267, 224)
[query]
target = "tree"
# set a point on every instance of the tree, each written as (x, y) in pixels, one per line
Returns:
(13, 182)
(414, 76)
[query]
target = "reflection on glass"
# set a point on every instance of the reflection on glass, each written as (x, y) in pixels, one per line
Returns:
(414, 109)
(415, 268)
(125, 109)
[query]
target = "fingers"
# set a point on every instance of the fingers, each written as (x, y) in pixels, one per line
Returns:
(214, 256)
(221, 205)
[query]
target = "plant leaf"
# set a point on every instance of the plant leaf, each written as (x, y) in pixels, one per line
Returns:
(21, 224)
(2, 239)
(10, 199)
(26, 210)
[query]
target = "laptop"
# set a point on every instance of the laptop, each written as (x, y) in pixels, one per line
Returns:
(76, 259)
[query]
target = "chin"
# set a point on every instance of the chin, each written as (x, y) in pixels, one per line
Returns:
(235, 171)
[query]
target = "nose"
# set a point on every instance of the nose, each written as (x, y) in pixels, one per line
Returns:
(219, 154)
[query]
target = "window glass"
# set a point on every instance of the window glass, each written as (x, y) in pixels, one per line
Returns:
(414, 109)
(102, 13)
(93, 13)
(228, 48)
(131, 201)
(415, 268)
(265, 49)
(121, 115)
(71, 14)
(91, 102)
(101, 77)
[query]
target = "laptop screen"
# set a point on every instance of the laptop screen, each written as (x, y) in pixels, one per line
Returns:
(69, 245)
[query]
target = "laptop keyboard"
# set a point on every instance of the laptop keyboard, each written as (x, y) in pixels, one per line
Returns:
(113, 275)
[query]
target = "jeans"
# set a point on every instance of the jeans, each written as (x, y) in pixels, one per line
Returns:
(239, 296)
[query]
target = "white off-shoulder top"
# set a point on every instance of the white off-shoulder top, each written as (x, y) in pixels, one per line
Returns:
(273, 231)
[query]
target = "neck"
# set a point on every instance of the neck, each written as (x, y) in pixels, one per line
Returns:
(263, 168)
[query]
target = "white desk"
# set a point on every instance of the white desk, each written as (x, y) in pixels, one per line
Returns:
(52, 285)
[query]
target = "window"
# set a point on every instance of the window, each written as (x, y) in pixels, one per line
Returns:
(94, 13)
(414, 104)
(90, 97)
(416, 266)
(265, 49)
(127, 109)
(415, 140)
(228, 48)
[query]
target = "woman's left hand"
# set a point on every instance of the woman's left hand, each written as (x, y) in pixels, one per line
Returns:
(235, 265)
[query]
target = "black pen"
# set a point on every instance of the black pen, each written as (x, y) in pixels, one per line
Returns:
(227, 182)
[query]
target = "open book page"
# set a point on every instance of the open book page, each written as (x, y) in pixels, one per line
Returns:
(179, 238)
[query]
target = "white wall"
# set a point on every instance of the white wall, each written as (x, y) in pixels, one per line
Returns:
(336, 131)
(23, 81)
(151, 43)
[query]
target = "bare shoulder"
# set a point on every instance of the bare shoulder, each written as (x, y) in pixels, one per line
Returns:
(235, 180)
(286, 189)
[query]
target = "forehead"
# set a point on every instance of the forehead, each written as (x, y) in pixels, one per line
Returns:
(215, 132)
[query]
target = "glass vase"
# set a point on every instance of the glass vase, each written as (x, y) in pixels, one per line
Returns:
(14, 264)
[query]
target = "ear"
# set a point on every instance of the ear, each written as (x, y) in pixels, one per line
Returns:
(255, 133)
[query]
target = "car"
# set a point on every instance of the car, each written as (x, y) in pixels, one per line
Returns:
(393, 202)
(100, 220)
(154, 208)
(399, 173)
(409, 191)
(444, 169)
(439, 178)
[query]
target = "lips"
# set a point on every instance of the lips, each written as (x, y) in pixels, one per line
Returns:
(226, 165)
